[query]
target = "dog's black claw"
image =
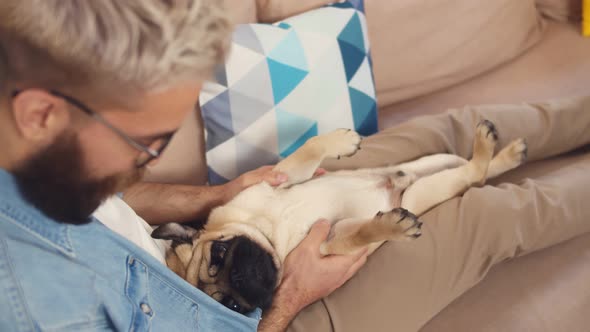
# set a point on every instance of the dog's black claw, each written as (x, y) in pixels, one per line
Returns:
(402, 212)
(491, 128)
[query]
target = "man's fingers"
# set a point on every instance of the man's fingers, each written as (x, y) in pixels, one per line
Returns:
(318, 233)
(275, 178)
(349, 265)
(361, 253)
(361, 259)
(347, 260)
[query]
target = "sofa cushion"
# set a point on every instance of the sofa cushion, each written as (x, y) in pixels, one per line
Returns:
(286, 82)
(417, 42)
(269, 11)
(557, 67)
(241, 11)
(420, 46)
(183, 161)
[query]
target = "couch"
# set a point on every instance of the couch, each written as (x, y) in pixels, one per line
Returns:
(434, 55)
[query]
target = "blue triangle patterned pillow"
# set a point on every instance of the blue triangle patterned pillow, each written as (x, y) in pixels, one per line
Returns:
(286, 82)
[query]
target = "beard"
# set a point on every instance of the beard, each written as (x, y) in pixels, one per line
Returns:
(56, 182)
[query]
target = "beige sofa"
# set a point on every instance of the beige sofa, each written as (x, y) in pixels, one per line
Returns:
(432, 55)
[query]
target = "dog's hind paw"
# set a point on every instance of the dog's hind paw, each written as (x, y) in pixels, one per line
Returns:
(516, 152)
(512, 156)
(487, 129)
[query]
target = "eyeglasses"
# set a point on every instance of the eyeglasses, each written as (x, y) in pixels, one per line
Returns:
(148, 152)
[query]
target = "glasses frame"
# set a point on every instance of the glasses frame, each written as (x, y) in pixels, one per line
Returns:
(151, 153)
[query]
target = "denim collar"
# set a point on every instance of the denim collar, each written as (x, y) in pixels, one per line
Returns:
(15, 209)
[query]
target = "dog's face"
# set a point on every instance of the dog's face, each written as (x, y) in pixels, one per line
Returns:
(233, 269)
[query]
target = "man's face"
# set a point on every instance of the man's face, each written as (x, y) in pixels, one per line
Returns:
(88, 162)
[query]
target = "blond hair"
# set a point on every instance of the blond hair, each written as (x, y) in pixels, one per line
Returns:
(101, 45)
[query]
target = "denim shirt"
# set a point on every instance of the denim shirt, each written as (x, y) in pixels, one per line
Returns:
(58, 277)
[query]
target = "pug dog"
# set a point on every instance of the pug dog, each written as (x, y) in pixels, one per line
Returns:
(237, 258)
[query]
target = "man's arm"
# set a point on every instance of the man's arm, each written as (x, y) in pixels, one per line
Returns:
(161, 203)
(308, 277)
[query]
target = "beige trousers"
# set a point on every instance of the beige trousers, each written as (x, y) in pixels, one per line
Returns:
(404, 284)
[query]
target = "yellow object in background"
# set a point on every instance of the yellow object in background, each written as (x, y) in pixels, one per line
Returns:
(586, 18)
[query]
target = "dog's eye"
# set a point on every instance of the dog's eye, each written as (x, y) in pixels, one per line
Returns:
(218, 250)
(232, 304)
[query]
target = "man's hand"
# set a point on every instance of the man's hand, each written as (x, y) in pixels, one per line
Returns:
(264, 173)
(309, 277)
(160, 203)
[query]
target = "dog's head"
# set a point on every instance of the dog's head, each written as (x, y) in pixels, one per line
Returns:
(232, 264)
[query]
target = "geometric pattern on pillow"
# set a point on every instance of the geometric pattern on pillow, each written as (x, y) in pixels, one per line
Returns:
(286, 82)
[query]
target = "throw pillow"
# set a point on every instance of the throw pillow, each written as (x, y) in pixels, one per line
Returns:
(286, 82)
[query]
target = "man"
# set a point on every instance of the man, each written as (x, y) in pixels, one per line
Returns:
(90, 94)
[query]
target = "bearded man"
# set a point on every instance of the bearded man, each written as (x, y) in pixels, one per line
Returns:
(91, 93)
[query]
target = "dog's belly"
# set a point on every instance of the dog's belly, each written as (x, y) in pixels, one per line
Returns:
(333, 197)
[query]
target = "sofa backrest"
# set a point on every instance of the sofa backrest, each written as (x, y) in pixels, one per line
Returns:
(418, 47)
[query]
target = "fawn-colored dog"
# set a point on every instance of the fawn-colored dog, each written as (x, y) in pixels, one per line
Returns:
(237, 258)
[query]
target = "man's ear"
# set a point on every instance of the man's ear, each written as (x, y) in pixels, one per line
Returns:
(39, 116)
(178, 233)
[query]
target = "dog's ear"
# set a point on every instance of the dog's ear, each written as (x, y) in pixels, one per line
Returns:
(178, 233)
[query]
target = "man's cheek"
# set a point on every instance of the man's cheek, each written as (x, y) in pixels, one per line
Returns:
(126, 180)
(105, 156)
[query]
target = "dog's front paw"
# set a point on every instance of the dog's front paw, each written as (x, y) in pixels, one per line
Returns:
(340, 143)
(401, 223)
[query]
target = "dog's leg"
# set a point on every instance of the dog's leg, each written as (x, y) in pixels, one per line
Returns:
(431, 190)
(302, 164)
(398, 224)
(420, 167)
(510, 157)
(403, 175)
